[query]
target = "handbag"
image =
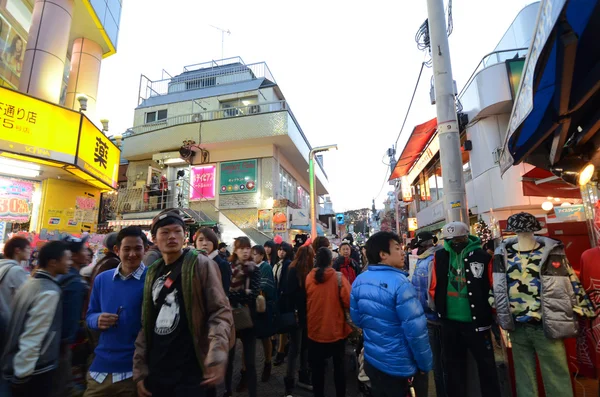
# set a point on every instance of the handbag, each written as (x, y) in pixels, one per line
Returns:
(242, 318)
(261, 303)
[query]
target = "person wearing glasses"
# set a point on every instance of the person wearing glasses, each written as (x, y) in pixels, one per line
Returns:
(116, 310)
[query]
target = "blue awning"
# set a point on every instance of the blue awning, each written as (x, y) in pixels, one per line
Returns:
(561, 76)
(307, 229)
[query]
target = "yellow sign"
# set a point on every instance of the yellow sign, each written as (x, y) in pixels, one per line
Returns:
(36, 128)
(97, 155)
(412, 224)
(68, 207)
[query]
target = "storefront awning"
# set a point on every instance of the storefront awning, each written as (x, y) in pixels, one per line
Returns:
(307, 229)
(541, 183)
(557, 104)
(417, 142)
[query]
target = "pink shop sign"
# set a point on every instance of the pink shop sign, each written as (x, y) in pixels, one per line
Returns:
(202, 181)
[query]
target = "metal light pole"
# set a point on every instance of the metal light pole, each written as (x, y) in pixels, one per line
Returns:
(313, 186)
(455, 196)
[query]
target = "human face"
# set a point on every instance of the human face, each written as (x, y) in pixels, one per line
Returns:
(345, 251)
(268, 251)
(170, 239)
(131, 252)
(19, 46)
(256, 257)
(243, 253)
(204, 244)
(62, 265)
(396, 256)
(281, 254)
(82, 257)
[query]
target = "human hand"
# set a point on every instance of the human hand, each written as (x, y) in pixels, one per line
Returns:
(107, 320)
(214, 375)
(142, 391)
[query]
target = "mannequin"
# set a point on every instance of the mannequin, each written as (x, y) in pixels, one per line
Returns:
(530, 287)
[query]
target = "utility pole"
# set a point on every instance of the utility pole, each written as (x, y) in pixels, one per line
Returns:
(223, 31)
(455, 196)
(313, 187)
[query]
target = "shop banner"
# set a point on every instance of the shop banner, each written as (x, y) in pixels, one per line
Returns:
(280, 220)
(572, 213)
(15, 200)
(299, 217)
(202, 179)
(238, 177)
(97, 155)
(265, 220)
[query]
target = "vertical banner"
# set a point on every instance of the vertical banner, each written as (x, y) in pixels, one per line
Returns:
(202, 180)
(265, 220)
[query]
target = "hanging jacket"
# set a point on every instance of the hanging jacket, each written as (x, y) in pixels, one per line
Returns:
(384, 304)
(348, 267)
(421, 280)
(561, 294)
(478, 272)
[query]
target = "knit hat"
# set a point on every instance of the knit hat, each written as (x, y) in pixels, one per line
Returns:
(425, 236)
(171, 214)
(523, 222)
(454, 229)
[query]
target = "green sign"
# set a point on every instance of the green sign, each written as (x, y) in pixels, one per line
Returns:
(514, 68)
(238, 177)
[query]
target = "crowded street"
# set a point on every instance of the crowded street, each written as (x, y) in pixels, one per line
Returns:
(294, 199)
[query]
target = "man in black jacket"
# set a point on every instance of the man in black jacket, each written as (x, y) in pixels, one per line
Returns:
(460, 287)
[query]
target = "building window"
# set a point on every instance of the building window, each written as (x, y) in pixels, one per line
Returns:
(303, 198)
(429, 187)
(288, 187)
(158, 115)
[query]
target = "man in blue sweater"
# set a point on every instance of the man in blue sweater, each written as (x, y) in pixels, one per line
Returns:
(116, 310)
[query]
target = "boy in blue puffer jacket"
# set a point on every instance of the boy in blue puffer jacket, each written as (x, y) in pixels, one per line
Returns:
(384, 304)
(421, 280)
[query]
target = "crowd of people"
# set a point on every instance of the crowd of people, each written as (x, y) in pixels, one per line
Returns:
(164, 321)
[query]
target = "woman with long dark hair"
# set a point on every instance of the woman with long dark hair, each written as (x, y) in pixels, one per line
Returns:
(265, 322)
(295, 301)
(271, 248)
(243, 290)
(327, 300)
(280, 271)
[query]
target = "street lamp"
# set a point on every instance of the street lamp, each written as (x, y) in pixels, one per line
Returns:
(83, 100)
(313, 186)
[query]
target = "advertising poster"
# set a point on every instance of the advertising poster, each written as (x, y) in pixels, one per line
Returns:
(238, 177)
(202, 179)
(69, 207)
(265, 220)
(572, 213)
(15, 200)
(280, 222)
(12, 52)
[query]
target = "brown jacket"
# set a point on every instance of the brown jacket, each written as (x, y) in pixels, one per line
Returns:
(207, 306)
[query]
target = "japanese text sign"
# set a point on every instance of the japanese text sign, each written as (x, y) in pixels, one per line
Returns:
(15, 200)
(97, 155)
(36, 128)
(202, 181)
(238, 177)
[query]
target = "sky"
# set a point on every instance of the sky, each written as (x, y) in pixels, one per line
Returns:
(347, 70)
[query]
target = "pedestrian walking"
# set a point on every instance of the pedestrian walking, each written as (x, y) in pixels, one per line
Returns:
(12, 275)
(271, 249)
(327, 301)
(265, 322)
(346, 264)
(206, 242)
(244, 289)
(426, 248)
(32, 350)
(183, 345)
(280, 271)
(115, 311)
(320, 241)
(461, 284)
(385, 305)
(295, 301)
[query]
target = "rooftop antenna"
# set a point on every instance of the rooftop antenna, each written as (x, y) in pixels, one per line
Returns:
(223, 31)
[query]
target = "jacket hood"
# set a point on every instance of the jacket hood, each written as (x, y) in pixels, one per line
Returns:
(474, 244)
(430, 251)
(329, 273)
(549, 245)
(4, 262)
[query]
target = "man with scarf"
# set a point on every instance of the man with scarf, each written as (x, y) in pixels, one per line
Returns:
(461, 283)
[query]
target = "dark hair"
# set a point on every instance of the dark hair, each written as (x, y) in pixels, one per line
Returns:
(54, 250)
(304, 262)
(320, 242)
(345, 243)
(13, 46)
(379, 242)
(289, 251)
(131, 231)
(240, 242)
(168, 217)
(348, 237)
(11, 246)
(260, 250)
(208, 234)
(274, 248)
(323, 260)
(221, 245)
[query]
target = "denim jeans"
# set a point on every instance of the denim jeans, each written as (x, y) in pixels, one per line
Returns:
(435, 341)
(457, 338)
(529, 340)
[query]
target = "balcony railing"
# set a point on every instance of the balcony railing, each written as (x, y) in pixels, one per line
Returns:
(494, 58)
(153, 197)
(209, 115)
(204, 75)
